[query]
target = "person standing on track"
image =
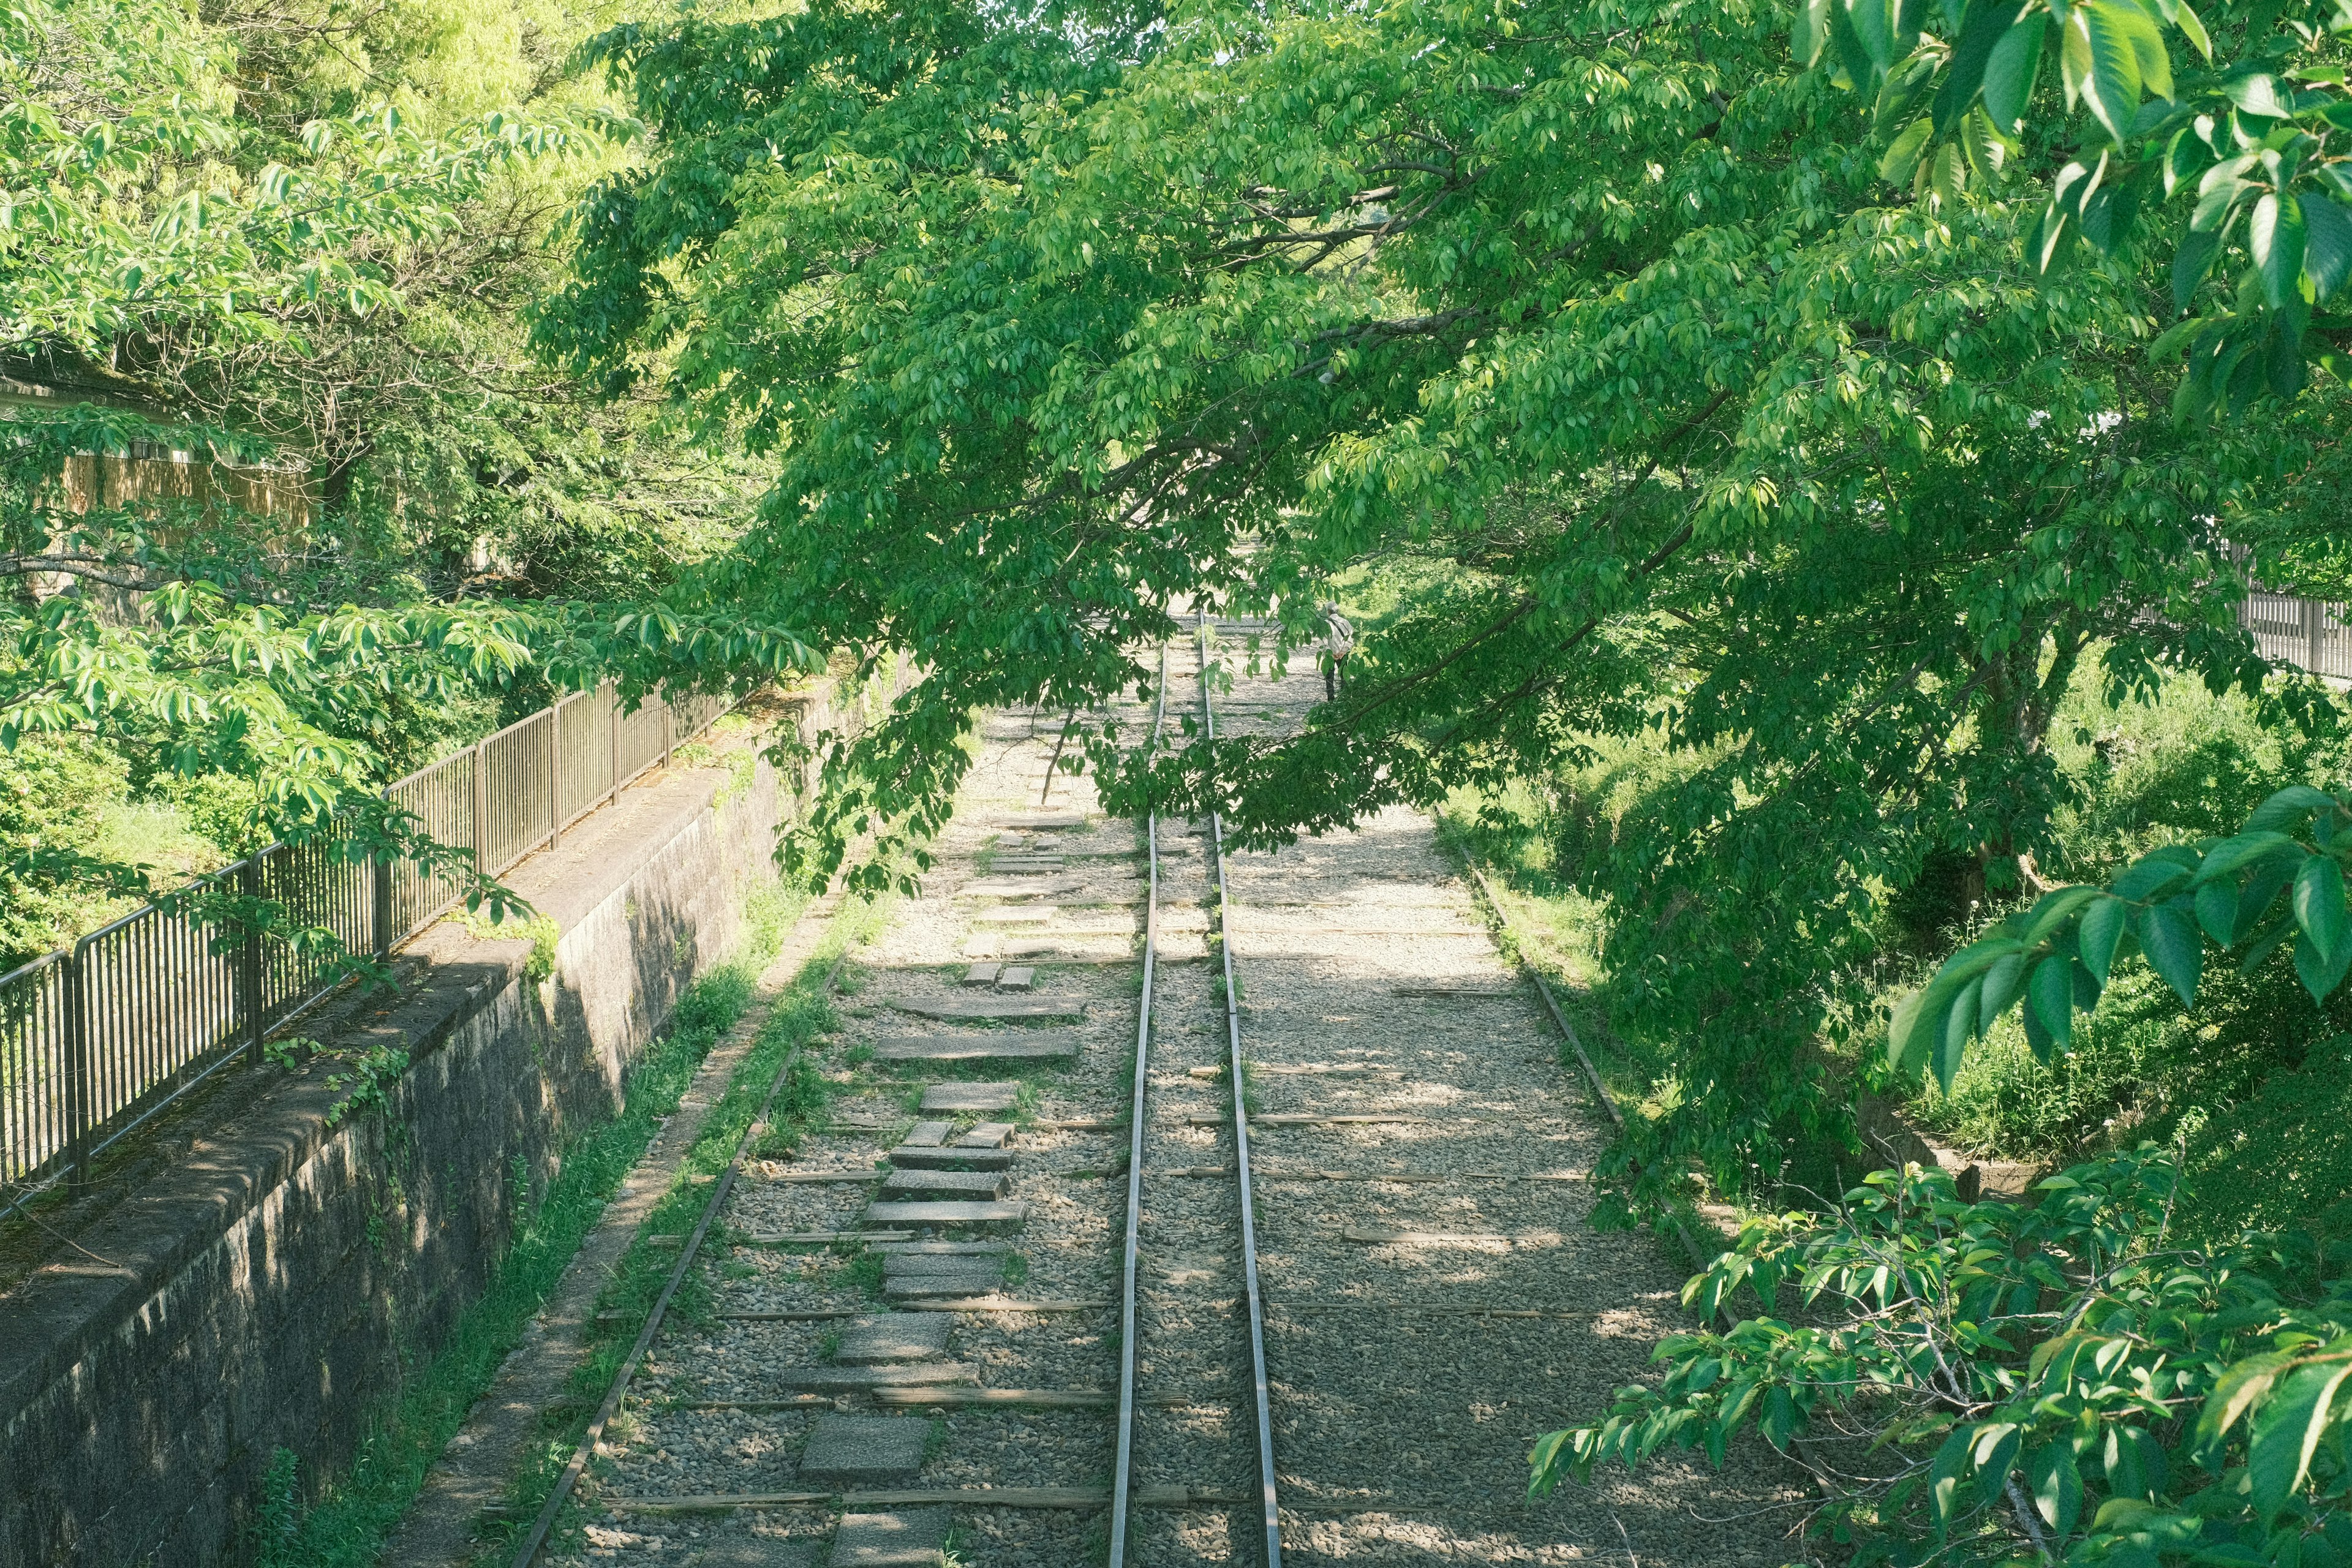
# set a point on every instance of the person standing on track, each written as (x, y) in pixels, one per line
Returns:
(1339, 642)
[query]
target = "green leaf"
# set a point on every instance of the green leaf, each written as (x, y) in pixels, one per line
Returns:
(2269, 877)
(2122, 1463)
(1809, 32)
(2236, 1392)
(1981, 144)
(1905, 85)
(2265, 942)
(2153, 875)
(2184, 156)
(1994, 1454)
(1944, 1474)
(2191, 262)
(1902, 160)
(2056, 1485)
(2287, 1432)
(2052, 996)
(2187, 21)
(2002, 983)
(2232, 854)
(2275, 235)
(2102, 929)
(2260, 93)
(1960, 1023)
(1907, 1042)
(2174, 948)
(2327, 243)
(2102, 61)
(1873, 22)
(2320, 975)
(2217, 908)
(2147, 47)
(2038, 1039)
(2319, 906)
(2010, 69)
(2053, 910)
(2289, 808)
(1987, 24)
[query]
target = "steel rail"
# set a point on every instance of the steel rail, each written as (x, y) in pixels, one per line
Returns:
(1269, 1510)
(1122, 1479)
(593, 1439)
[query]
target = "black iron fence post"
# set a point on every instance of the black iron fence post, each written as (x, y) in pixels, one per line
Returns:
(612, 729)
(555, 773)
(257, 1009)
(79, 1088)
(481, 836)
(380, 900)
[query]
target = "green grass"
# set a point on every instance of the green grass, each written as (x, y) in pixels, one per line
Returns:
(355, 1513)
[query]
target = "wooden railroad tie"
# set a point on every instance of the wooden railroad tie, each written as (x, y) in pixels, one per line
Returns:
(1302, 1118)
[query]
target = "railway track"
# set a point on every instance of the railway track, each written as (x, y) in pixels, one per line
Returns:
(1167, 1208)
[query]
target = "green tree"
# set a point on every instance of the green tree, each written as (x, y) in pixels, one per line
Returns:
(297, 246)
(139, 234)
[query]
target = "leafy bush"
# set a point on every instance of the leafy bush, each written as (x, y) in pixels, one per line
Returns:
(2136, 1068)
(54, 792)
(2278, 1159)
(2184, 765)
(2006, 1383)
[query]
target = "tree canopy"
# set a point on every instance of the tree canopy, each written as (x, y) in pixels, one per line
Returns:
(1597, 330)
(292, 249)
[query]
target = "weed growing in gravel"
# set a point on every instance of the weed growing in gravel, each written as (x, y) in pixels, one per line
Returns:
(935, 1440)
(828, 1344)
(863, 1272)
(1252, 1103)
(1016, 1269)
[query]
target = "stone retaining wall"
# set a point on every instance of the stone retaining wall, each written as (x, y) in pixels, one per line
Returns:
(261, 1293)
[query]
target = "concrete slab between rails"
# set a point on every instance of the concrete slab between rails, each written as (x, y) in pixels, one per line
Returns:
(907, 1538)
(937, 1048)
(239, 1280)
(865, 1450)
(934, 1157)
(893, 1337)
(1001, 1216)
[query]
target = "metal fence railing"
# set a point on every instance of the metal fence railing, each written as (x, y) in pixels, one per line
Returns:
(97, 1037)
(2306, 633)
